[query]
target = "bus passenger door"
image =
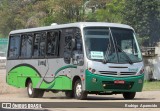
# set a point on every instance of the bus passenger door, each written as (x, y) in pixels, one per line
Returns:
(52, 54)
(39, 54)
(73, 53)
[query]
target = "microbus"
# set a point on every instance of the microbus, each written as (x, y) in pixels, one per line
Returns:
(76, 58)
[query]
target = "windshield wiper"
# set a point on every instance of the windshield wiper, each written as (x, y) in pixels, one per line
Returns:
(106, 54)
(129, 60)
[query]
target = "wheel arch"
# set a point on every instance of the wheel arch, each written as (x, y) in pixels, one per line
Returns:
(27, 80)
(75, 78)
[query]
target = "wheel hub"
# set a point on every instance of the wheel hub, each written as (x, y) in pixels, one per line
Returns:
(30, 89)
(78, 89)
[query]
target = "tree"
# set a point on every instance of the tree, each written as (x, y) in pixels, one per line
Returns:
(62, 11)
(18, 14)
(110, 11)
(144, 16)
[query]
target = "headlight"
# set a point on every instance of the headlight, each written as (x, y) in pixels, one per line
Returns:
(140, 72)
(92, 70)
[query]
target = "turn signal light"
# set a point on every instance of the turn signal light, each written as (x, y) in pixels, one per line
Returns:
(92, 70)
(141, 71)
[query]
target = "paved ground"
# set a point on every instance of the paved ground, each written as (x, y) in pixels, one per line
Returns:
(11, 94)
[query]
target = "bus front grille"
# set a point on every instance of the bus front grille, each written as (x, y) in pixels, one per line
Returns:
(127, 73)
(116, 73)
(108, 72)
(111, 85)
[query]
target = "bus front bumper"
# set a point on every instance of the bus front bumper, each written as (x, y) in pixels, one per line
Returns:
(99, 83)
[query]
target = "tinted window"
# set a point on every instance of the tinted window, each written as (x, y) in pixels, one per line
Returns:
(14, 46)
(52, 43)
(73, 46)
(67, 45)
(26, 45)
(39, 44)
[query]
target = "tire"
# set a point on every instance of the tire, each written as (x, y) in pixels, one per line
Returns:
(78, 93)
(69, 94)
(129, 95)
(34, 93)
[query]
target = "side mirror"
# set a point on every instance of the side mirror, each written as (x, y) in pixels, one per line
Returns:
(78, 59)
(67, 57)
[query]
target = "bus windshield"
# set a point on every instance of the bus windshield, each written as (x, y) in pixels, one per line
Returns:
(113, 45)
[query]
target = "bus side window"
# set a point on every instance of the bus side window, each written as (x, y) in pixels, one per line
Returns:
(26, 45)
(52, 43)
(14, 46)
(67, 49)
(36, 45)
(77, 52)
(39, 45)
(43, 44)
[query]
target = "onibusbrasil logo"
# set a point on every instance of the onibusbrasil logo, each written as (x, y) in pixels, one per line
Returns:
(21, 106)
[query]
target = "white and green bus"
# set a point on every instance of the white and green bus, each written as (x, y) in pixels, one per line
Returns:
(77, 58)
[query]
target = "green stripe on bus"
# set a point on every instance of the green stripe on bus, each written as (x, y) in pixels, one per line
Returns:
(17, 77)
(65, 67)
(60, 69)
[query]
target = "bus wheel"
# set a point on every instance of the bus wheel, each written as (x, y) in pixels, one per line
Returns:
(69, 94)
(78, 93)
(129, 95)
(34, 93)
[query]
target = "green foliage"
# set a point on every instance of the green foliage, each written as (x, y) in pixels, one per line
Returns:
(18, 14)
(62, 11)
(113, 12)
(151, 86)
(142, 15)
(90, 17)
(1, 36)
(142, 40)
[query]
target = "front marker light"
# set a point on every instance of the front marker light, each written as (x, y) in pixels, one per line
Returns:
(141, 71)
(140, 81)
(104, 85)
(91, 70)
(94, 80)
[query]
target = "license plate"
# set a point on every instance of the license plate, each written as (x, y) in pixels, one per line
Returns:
(119, 82)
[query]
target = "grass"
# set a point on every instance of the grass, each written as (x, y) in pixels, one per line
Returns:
(151, 86)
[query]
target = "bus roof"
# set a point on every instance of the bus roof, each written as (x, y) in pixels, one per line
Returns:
(78, 24)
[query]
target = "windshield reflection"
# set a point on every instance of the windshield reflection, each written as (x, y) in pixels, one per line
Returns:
(111, 45)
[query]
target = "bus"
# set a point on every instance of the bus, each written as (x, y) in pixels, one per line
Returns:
(76, 58)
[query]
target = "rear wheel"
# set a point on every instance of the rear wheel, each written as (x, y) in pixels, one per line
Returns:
(78, 92)
(34, 93)
(129, 95)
